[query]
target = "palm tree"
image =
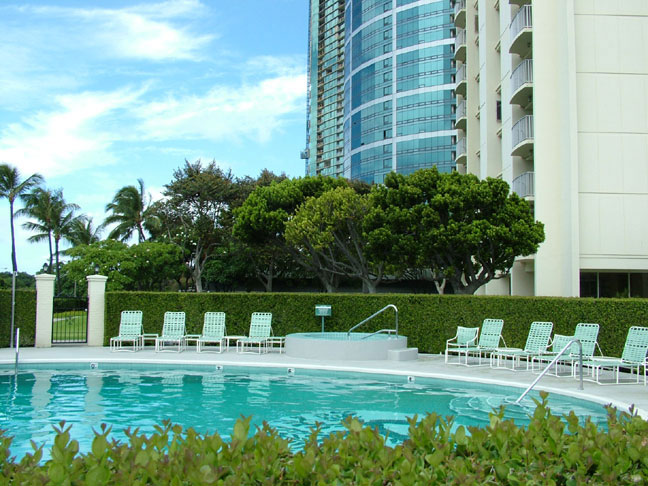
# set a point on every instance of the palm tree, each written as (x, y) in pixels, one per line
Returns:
(39, 206)
(52, 219)
(130, 209)
(83, 232)
(10, 188)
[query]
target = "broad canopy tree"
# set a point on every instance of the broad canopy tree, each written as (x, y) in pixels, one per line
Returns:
(261, 223)
(466, 231)
(330, 227)
(196, 214)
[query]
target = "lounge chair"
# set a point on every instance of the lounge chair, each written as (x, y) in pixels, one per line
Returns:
(466, 337)
(490, 336)
(213, 331)
(586, 333)
(536, 344)
(260, 332)
(632, 358)
(130, 331)
(173, 332)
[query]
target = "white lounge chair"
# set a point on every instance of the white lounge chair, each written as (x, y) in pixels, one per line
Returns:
(173, 332)
(466, 337)
(586, 333)
(490, 336)
(632, 359)
(260, 332)
(213, 331)
(130, 331)
(536, 344)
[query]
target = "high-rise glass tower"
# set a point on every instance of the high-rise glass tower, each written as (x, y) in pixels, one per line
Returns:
(394, 105)
(324, 152)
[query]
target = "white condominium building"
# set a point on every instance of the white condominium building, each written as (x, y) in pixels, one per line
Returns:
(552, 96)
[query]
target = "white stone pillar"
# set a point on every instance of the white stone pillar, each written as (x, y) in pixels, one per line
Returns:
(44, 309)
(96, 309)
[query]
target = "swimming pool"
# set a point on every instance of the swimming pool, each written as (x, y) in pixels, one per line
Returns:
(210, 399)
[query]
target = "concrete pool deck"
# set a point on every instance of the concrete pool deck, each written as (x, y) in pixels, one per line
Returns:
(430, 366)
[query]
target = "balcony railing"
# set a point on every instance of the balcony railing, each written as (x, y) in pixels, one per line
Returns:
(522, 20)
(460, 45)
(522, 74)
(461, 74)
(460, 39)
(461, 109)
(459, 5)
(524, 184)
(461, 147)
(522, 131)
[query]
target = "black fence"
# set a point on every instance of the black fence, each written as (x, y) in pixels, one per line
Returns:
(70, 320)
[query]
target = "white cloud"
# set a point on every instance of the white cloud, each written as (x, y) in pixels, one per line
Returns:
(68, 138)
(144, 31)
(254, 111)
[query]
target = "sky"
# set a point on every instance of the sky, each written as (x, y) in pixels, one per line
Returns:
(94, 95)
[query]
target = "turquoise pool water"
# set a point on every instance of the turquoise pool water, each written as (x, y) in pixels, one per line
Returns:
(210, 400)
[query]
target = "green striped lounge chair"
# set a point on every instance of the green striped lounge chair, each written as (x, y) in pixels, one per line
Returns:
(173, 333)
(464, 338)
(537, 343)
(586, 333)
(130, 331)
(260, 332)
(490, 337)
(632, 359)
(213, 331)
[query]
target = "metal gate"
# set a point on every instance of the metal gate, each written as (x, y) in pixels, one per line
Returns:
(70, 320)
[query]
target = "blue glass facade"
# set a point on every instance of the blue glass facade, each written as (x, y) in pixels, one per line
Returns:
(398, 101)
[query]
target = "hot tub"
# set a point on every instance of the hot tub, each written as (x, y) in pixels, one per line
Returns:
(359, 346)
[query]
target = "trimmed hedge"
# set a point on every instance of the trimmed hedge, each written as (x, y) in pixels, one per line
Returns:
(427, 320)
(25, 317)
(546, 452)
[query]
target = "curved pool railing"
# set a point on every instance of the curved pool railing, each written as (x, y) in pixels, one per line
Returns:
(395, 330)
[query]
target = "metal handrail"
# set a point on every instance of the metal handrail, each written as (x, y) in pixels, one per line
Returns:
(553, 362)
(374, 315)
(386, 331)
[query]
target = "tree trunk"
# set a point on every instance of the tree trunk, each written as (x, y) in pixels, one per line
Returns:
(49, 241)
(57, 286)
(369, 286)
(13, 238)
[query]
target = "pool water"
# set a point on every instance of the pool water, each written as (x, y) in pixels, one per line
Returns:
(211, 400)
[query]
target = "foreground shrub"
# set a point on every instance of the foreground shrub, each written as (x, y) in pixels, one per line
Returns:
(549, 451)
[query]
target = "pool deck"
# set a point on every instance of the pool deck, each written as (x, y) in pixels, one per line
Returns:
(431, 366)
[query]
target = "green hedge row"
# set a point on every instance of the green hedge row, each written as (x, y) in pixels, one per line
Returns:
(546, 452)
(25, 316)
(427, 320)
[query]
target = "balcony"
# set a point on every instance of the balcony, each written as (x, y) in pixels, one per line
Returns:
(524, 185)
(460, 157)
(460, 13)
(522, 137)
(460, 80)
(461, 119)
(522, 83)
(521, 31)
(460, 46)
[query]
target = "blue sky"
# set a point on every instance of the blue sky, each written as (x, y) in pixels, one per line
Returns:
(94, 95)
